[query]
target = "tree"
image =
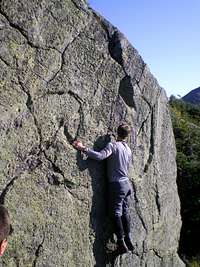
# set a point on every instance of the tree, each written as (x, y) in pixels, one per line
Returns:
(186, 126)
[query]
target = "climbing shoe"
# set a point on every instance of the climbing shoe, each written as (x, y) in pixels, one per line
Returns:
(121, 247)
(128, 243)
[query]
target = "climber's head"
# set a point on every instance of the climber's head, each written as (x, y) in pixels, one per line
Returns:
(123, 131)
(5, 228)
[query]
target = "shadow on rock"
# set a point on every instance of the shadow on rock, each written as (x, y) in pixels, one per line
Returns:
(99, 215)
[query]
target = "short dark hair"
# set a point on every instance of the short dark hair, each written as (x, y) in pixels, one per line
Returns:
(5, 225)
(123, 130)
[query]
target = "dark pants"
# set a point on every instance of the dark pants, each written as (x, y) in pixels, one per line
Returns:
(119, 194)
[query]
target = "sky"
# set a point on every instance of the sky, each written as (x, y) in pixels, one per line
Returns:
(166, 34)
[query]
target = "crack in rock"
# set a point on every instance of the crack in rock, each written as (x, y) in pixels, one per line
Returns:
(62, 63)
(30, 106)
(110, 129)
(114, 43)
(148, 103)
(54, 180)
(143, 123)
(115, 50)
(80, 128)
(78, 6)
(61, 92)
(6, 189)
(69, 137)
(6, 63)
(38, 251)
(27, 165)
(126, 92)
(107, 27)
(152, 144)
(55, 168)
(137, 208)
(142, 74)
(62, 55)
(60, 125)
(152, 136)
(76, 96)
(21, 31)
(156, 253)
(157, 198)
(52, 15)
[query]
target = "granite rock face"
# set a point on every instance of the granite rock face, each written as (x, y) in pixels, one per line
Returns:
(66, 73)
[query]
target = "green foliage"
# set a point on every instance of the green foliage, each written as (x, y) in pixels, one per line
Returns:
(194, 262)
(186, 125)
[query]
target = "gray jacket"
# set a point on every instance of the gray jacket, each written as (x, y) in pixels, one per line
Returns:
(118, 156)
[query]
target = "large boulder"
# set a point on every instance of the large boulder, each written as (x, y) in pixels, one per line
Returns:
(67, 73)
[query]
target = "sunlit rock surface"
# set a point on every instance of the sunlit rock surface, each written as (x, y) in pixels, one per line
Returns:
(66, 73)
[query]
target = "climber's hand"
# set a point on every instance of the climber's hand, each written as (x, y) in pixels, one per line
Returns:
(78, 145)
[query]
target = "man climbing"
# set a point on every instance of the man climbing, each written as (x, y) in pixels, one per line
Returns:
(118, 156)
(5, 228)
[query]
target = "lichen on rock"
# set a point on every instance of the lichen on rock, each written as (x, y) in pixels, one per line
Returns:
(67, 73)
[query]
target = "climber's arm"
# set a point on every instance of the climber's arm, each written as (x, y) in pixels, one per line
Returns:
(103, 154)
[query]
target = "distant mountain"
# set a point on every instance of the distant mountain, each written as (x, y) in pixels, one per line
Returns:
(193, 96)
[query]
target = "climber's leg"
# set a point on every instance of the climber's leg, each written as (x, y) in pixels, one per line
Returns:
(126, 220)
(117, 194)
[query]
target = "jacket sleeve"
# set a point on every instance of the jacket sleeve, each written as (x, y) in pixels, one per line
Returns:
(103, 154)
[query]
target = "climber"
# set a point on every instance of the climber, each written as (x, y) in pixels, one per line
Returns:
(119, 187)
(5, 228)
